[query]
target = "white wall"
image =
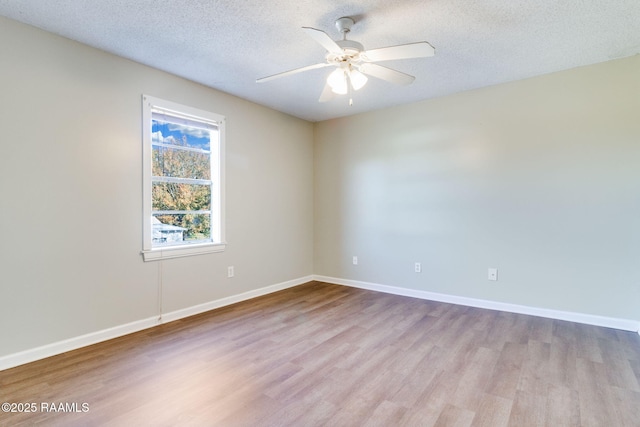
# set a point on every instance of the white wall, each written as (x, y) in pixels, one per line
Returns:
(539, 178)
(71, 194)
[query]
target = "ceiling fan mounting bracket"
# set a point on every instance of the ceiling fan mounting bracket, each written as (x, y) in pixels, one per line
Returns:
(344, 24)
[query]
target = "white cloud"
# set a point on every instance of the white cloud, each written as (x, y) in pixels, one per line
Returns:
(192, 131)
(157, 136)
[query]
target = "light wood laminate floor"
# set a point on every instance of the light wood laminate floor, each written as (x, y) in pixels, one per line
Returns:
(321, 354)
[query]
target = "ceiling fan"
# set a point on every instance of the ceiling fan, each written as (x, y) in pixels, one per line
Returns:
(353, 63)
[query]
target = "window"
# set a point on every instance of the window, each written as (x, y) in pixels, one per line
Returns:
(183, 180)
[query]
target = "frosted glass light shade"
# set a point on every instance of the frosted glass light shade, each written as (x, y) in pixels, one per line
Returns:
(358, 80)
(338, 81)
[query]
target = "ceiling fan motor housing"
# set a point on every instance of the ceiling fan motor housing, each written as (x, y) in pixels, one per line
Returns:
(350, 45)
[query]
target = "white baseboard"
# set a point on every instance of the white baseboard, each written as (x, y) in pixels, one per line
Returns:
(589, 319)
(31, 355)
(201, 308)
(52, 349)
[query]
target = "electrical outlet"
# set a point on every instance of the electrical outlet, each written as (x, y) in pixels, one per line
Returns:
(230, 271)
(355, 260)
(493, 274)
(418, 267)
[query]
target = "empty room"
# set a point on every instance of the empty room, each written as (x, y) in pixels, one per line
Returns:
(367, 213)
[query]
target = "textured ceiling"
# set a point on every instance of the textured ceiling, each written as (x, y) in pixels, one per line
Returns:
(227, 44)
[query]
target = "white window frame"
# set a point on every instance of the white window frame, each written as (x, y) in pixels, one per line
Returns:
(218, 242)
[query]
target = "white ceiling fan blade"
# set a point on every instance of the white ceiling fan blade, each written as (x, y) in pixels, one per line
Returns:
(387, 74)
(327, 94)
(324, 39)
(404, 51)
(294, 71)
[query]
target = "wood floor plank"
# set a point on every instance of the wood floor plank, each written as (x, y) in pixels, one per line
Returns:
(296, 414)
(437, 395)
(541, 329)
(635, 366)
(528, 410)
(329, 355)
(494, 411)
(475, 377)
(618, 367)
(596, 402)
(627, 341)
(421, 376)
(587, 343)
(627, 406)
(563, 407)
(453, 416)
(534, 374)
(561, 369)
(386, 414)
(506, 374)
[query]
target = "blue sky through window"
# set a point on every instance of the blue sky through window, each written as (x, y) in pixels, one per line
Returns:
(194, 137)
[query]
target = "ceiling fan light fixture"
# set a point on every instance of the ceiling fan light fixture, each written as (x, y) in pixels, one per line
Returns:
(358, 80)
(338, 81)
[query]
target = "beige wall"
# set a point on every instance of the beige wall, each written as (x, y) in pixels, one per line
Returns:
(71, 194)
(539, 178)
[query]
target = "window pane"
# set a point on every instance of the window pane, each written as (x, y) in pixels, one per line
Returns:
(170, 196)
(181, 163)
(174, 229)
(181, 135)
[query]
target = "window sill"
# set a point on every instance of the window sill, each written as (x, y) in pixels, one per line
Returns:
(181, 251)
